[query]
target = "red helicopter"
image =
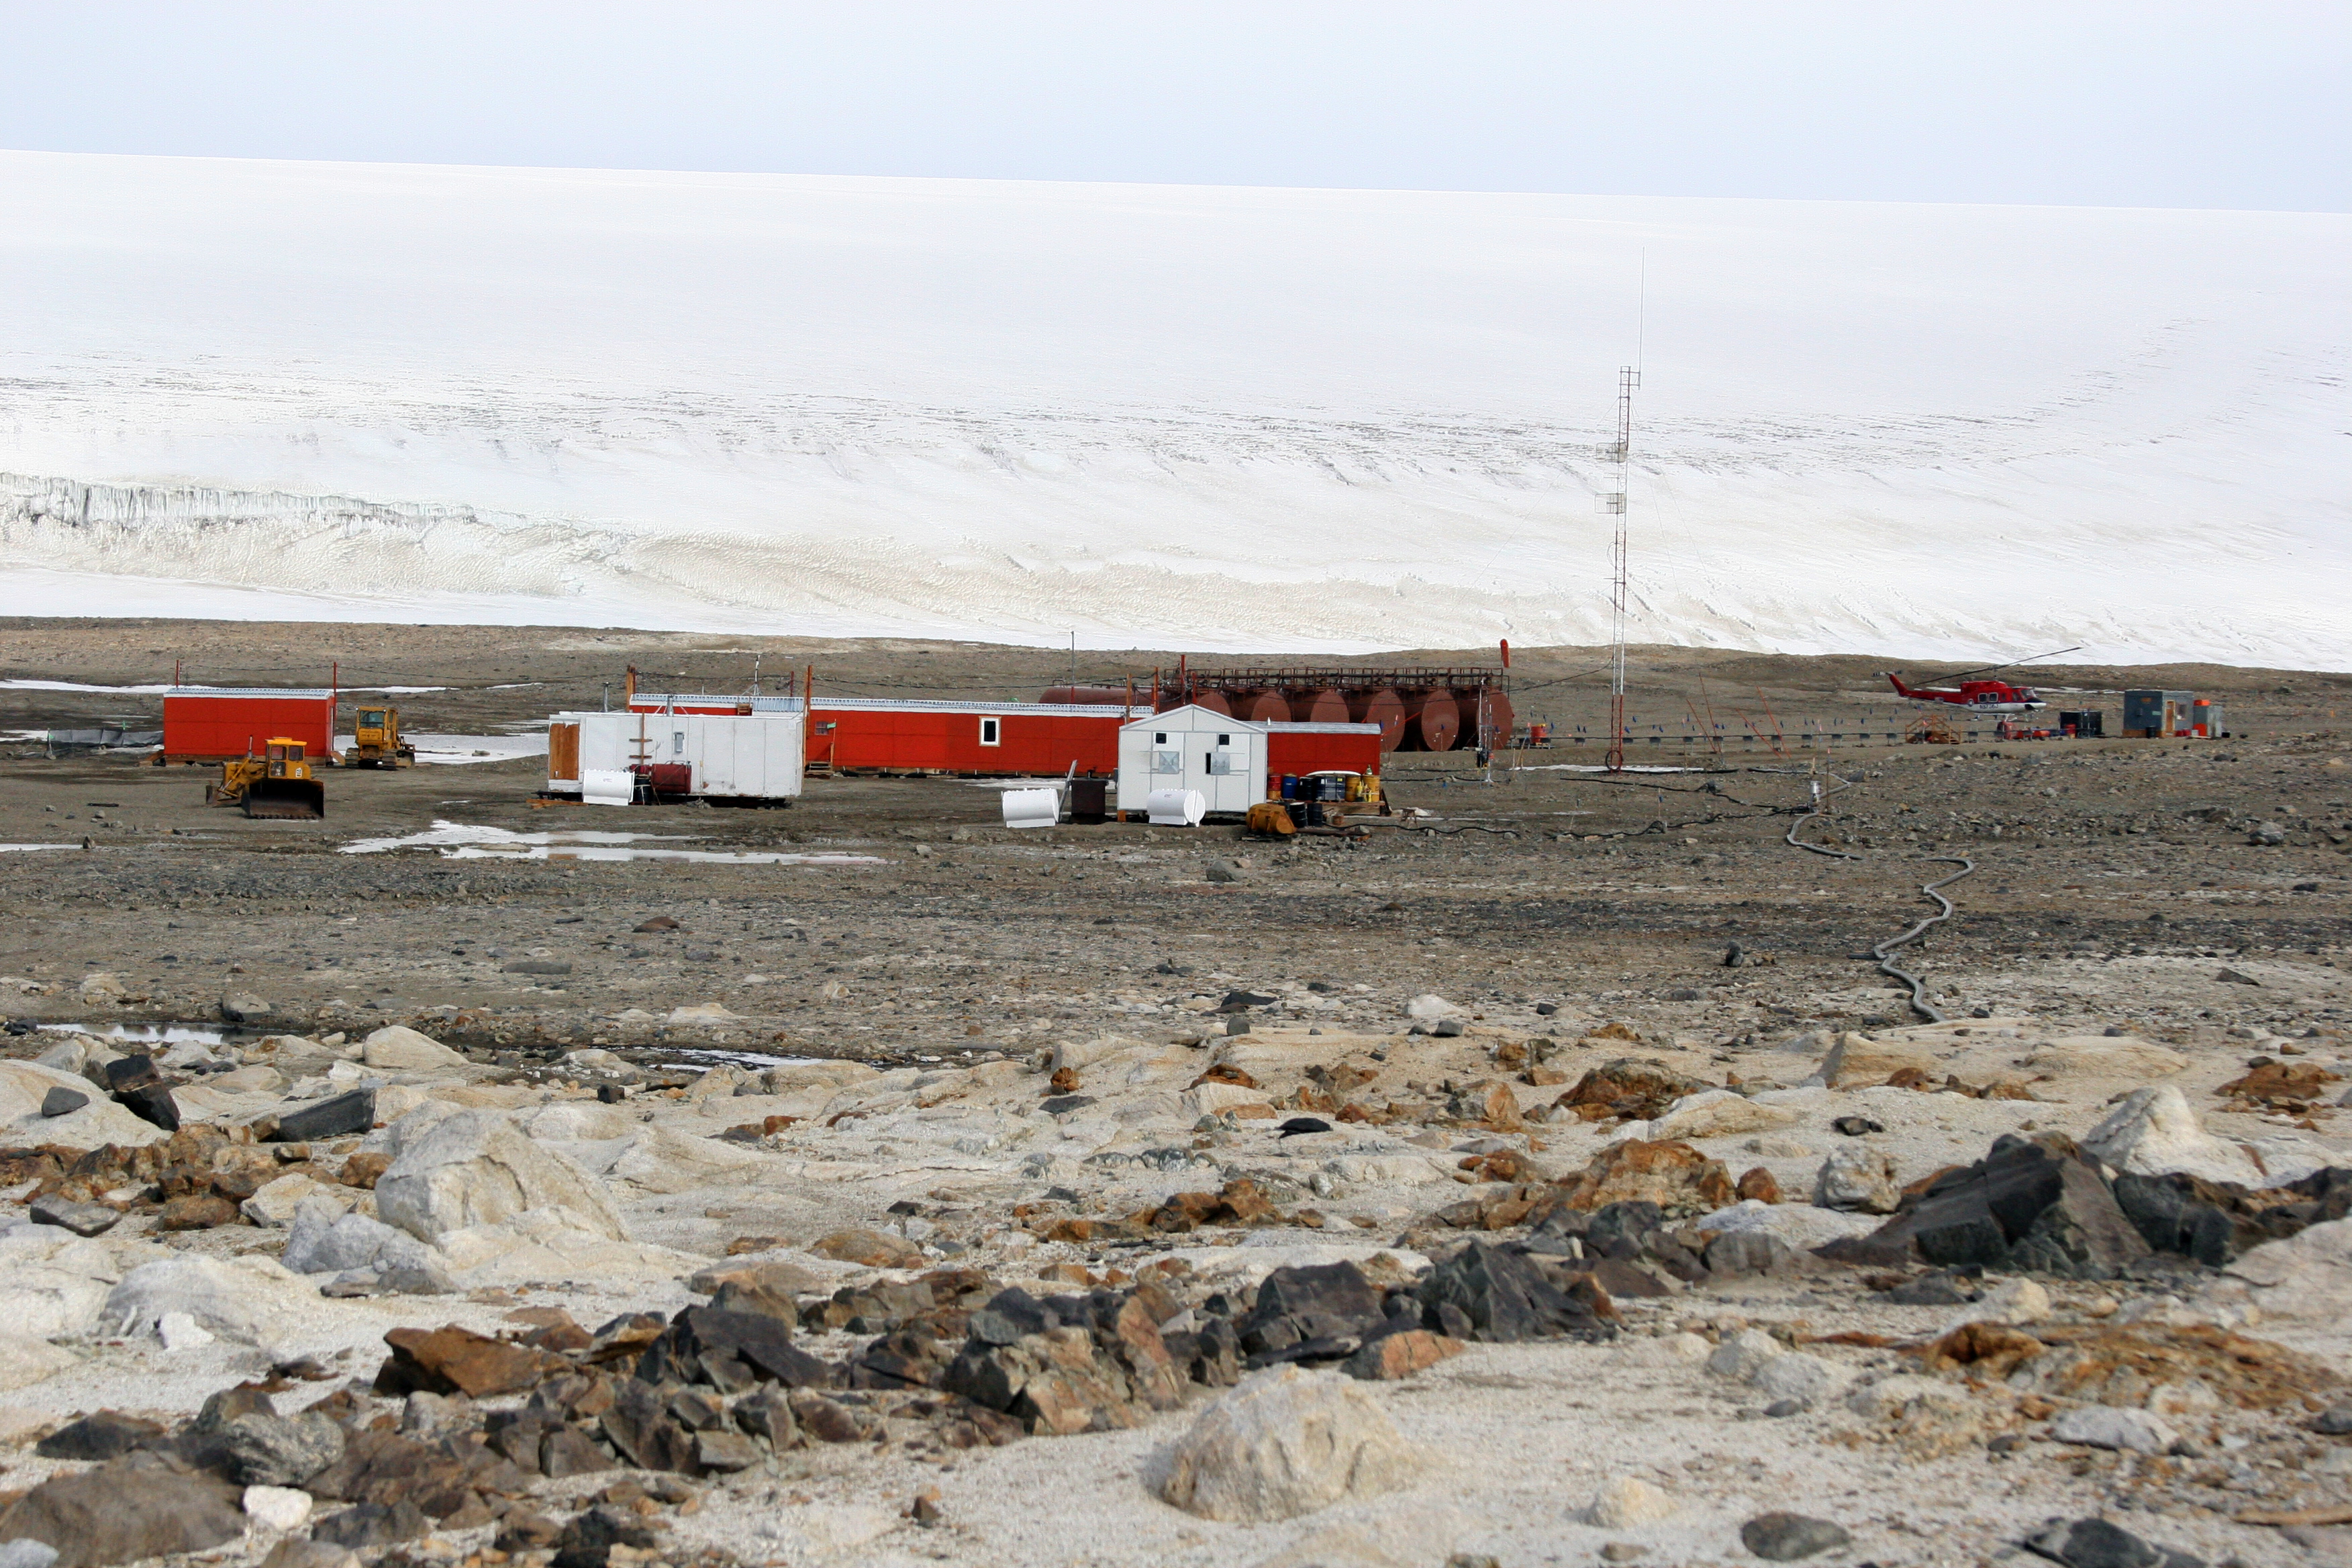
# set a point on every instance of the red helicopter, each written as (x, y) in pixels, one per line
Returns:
(1981, 696)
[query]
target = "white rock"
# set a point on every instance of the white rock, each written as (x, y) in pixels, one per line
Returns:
(2155, 1132)
(1857, 1060)
(703, 1013)
(26, 1359)
(1909, 1396)
(179, 1331)
(2106, 1056)
(26, 1552)
(326, 1240)
(603, 1063)
(2190, 1396)
(22, 1087)
(273, 1206)
(1798, 1376)
(1858, 1178)
(542, 1245)
(664, 1159)
(398, 1048)
(1286, 1442)
(833, 1527)
(1664, 1350)
(476, 1168)
(242, 1299)
(2013, 1302)
(1624, 1501)
(1718, 1113)
(580, 1121)
(1743, 1355)
(2305, 1278)
(2114, 1427)
(278, 1508)
(53, 1282)
(1429, 1005)
(1801, 1225)
(1216, 1098)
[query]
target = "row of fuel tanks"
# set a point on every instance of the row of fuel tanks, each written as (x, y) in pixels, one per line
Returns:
(1417, 709)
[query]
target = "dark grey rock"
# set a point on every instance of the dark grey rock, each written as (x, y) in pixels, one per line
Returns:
(128, 1509)
(373, 1524)
(2335, 1422)
(2029, 1205)
(1494, 1292)
(2095, 1544)
(351, 1111)
(1781, 1407)
(130, 1072)
(550, 966)
(1061, 1104)
(106, 1435)
(1786, 1537)
(152, 1104)
(82, 1219)
(266, 1451)
(1944, 1288)
(63, 1101)
(588, 1541)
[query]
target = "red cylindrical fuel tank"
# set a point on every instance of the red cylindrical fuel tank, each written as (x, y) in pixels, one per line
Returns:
(1433, 722)
(1382, 707)
(1327, 706)
(1263, 706)
(1214, 701)
(1494, 719)
(1112, 695)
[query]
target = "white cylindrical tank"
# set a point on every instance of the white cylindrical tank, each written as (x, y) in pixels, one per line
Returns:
(1031, 808)
(1176, 807)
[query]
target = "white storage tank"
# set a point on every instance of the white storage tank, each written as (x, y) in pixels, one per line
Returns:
(609, 759)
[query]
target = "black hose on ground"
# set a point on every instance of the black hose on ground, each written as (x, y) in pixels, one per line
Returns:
(1821, 801)
(1919, 1003)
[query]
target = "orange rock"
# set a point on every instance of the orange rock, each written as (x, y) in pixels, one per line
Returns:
(1673, 1175)
(1761, 1184)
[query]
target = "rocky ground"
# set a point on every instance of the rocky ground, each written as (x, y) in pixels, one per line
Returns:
(1552, 1177)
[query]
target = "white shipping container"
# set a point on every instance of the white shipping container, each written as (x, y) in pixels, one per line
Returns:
(755, 756)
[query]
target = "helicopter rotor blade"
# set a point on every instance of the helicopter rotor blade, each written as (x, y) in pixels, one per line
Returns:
(2012, 664)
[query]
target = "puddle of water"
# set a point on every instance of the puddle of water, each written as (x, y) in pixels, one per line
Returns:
(466, 841)
(704, 1059)
(456, 750)
(146, 1034)
(5, 847)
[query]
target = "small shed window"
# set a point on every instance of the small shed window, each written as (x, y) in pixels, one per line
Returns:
(1225, 739)
(1221, 762)
(1160, 739)
(1167, 761)
(991, 732)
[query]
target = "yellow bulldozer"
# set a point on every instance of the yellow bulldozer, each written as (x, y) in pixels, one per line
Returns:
(278, 784)
(376, 742)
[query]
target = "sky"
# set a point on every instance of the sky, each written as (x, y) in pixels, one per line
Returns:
(2144, 104)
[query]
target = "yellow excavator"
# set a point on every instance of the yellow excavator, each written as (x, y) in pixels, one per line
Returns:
(278, 784)
(376, 742)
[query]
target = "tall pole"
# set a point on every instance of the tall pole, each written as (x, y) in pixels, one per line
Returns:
(1628, 378)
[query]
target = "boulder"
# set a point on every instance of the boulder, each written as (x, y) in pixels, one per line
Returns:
(246, 1299)
(1627, 1502)
(1674, 1176)
(1857, 1178)
(2028, 1206)
(2156, 1132)
(1503, 1297)
(273, 1205)
(2106, 1056)
(2114, 1427)
(263, 1450)
(475, 1168)
(1719, 1113)
(82, 1219)
(873, 1248)
(26, 1359)
(128, 1509)
(52, 1282)
(26, 1089)
(2214, 1222)
(351, 1111)
(325, 1238)
(1630, 1086)
(2305, 1278)
(664, 1159)
(453, 1360)
(2095, 1544)
(398, 1048)
(278, 1508)
(1286, 1442)
(1857, 1061)
(1786, 1537)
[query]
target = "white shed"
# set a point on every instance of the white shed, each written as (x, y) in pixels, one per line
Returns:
(1193, 748)
(713, 756)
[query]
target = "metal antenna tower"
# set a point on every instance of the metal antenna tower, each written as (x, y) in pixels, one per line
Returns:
(1628, 378)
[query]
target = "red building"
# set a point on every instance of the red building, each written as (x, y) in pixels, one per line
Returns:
(1322, 749)
(212, 724)
(902, 735)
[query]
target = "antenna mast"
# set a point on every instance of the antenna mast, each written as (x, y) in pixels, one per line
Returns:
(1628, 378)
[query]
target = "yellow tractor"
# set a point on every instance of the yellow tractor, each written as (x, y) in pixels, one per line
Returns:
(376, 742)
(275, 785)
